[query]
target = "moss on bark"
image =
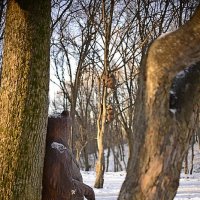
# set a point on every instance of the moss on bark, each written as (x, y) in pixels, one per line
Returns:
(24, 99)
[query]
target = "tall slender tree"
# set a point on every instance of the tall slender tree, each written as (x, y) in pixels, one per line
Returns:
(107, 15)
(24, 98)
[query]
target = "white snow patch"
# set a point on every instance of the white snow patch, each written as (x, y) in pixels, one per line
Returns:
(173, 111)
(189, 188)
(60, 147)
(181, 74)
(172, 92)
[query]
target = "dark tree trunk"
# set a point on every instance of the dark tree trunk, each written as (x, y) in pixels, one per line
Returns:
(161, 134)
(186, 169)
(86, 159)
(192, 153)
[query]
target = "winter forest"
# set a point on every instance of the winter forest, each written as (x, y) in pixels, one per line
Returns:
(99, 99)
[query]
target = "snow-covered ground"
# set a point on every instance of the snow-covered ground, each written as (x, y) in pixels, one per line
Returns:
(189, 184)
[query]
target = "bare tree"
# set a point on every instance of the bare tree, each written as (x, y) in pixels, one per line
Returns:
(72, 46)
(161, 135)
(107, 17)
(133, 25)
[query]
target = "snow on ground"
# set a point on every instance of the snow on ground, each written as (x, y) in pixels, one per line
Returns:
(189, 185)
(112, 184)
(189, 188)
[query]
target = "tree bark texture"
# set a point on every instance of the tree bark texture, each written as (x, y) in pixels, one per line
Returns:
(161, 137)
(24, 99)
(101, 125)
(100, 166)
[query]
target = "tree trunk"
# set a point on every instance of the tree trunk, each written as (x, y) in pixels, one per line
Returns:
(24, 99)
(186, 169)
(86, 158)
(161, 136)
(192, 153)
(107, 159)
(100, 165)
(107, 22)
(100, 168)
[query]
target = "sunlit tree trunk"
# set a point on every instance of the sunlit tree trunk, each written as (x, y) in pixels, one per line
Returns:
(100, 165)
(161, 136)
(24, 99)
(101, 126)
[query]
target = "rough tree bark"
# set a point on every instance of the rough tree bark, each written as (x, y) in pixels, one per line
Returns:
(161, 137)
(24, 99)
